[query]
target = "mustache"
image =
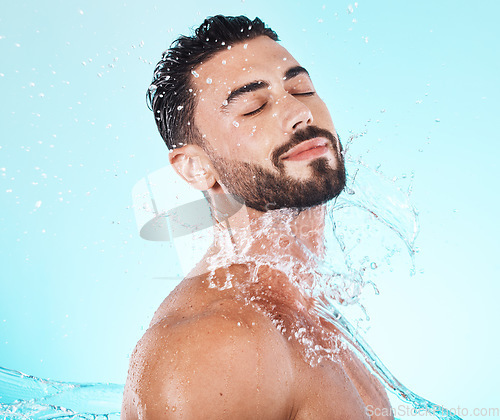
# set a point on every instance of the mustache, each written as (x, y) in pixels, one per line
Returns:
(298, 137)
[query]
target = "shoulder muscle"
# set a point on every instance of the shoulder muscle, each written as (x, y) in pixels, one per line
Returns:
(216, 365)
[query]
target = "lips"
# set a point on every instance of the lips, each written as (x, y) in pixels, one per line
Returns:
(307, 149)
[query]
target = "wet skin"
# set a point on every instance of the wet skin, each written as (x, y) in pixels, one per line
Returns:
(216, 352)
(210, 355)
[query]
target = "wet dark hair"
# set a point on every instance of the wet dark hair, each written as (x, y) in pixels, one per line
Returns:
(171, 95)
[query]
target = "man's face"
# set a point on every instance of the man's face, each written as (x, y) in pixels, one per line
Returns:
(269, 135)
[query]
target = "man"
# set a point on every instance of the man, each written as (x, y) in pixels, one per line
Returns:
(239, 338)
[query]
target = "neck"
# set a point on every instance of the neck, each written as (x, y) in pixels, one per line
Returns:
(276, 233)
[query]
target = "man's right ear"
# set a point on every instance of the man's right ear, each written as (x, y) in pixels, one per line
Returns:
(193, 165)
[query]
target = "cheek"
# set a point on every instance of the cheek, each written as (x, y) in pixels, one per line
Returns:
(322, 116)
(250, 143)
(244, 140)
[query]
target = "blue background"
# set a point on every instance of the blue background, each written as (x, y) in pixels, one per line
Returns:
(78, 284)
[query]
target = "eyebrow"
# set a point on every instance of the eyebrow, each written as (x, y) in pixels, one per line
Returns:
(261, 84)
(295, 71)
(250, 87)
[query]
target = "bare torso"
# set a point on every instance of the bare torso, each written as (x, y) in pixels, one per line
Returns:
(262, 365)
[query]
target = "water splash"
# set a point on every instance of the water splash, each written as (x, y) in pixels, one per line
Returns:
(370, 213)
(27, 397)
(334, 281)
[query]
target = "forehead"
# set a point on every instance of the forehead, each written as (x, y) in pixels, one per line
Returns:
(258, 59)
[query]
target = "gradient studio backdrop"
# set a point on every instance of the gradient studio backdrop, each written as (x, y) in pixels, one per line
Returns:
(78, 284)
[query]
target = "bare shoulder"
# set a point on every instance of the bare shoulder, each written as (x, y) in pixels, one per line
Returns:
(227, 361)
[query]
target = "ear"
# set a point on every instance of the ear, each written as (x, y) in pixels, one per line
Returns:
(193, 165)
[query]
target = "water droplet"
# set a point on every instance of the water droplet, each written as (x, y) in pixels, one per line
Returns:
(209, 81)
(245, 46)
(194, 73)
(438, 120)
(373, 266)
(223, 61)
(236, 124)
(180, 107)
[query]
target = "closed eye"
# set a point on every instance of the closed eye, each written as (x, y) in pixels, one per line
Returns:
(303, 94)
(256, 111)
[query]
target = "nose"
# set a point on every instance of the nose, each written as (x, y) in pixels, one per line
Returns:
(297, 115)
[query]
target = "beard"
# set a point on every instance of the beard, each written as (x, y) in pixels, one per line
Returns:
(262, 189)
